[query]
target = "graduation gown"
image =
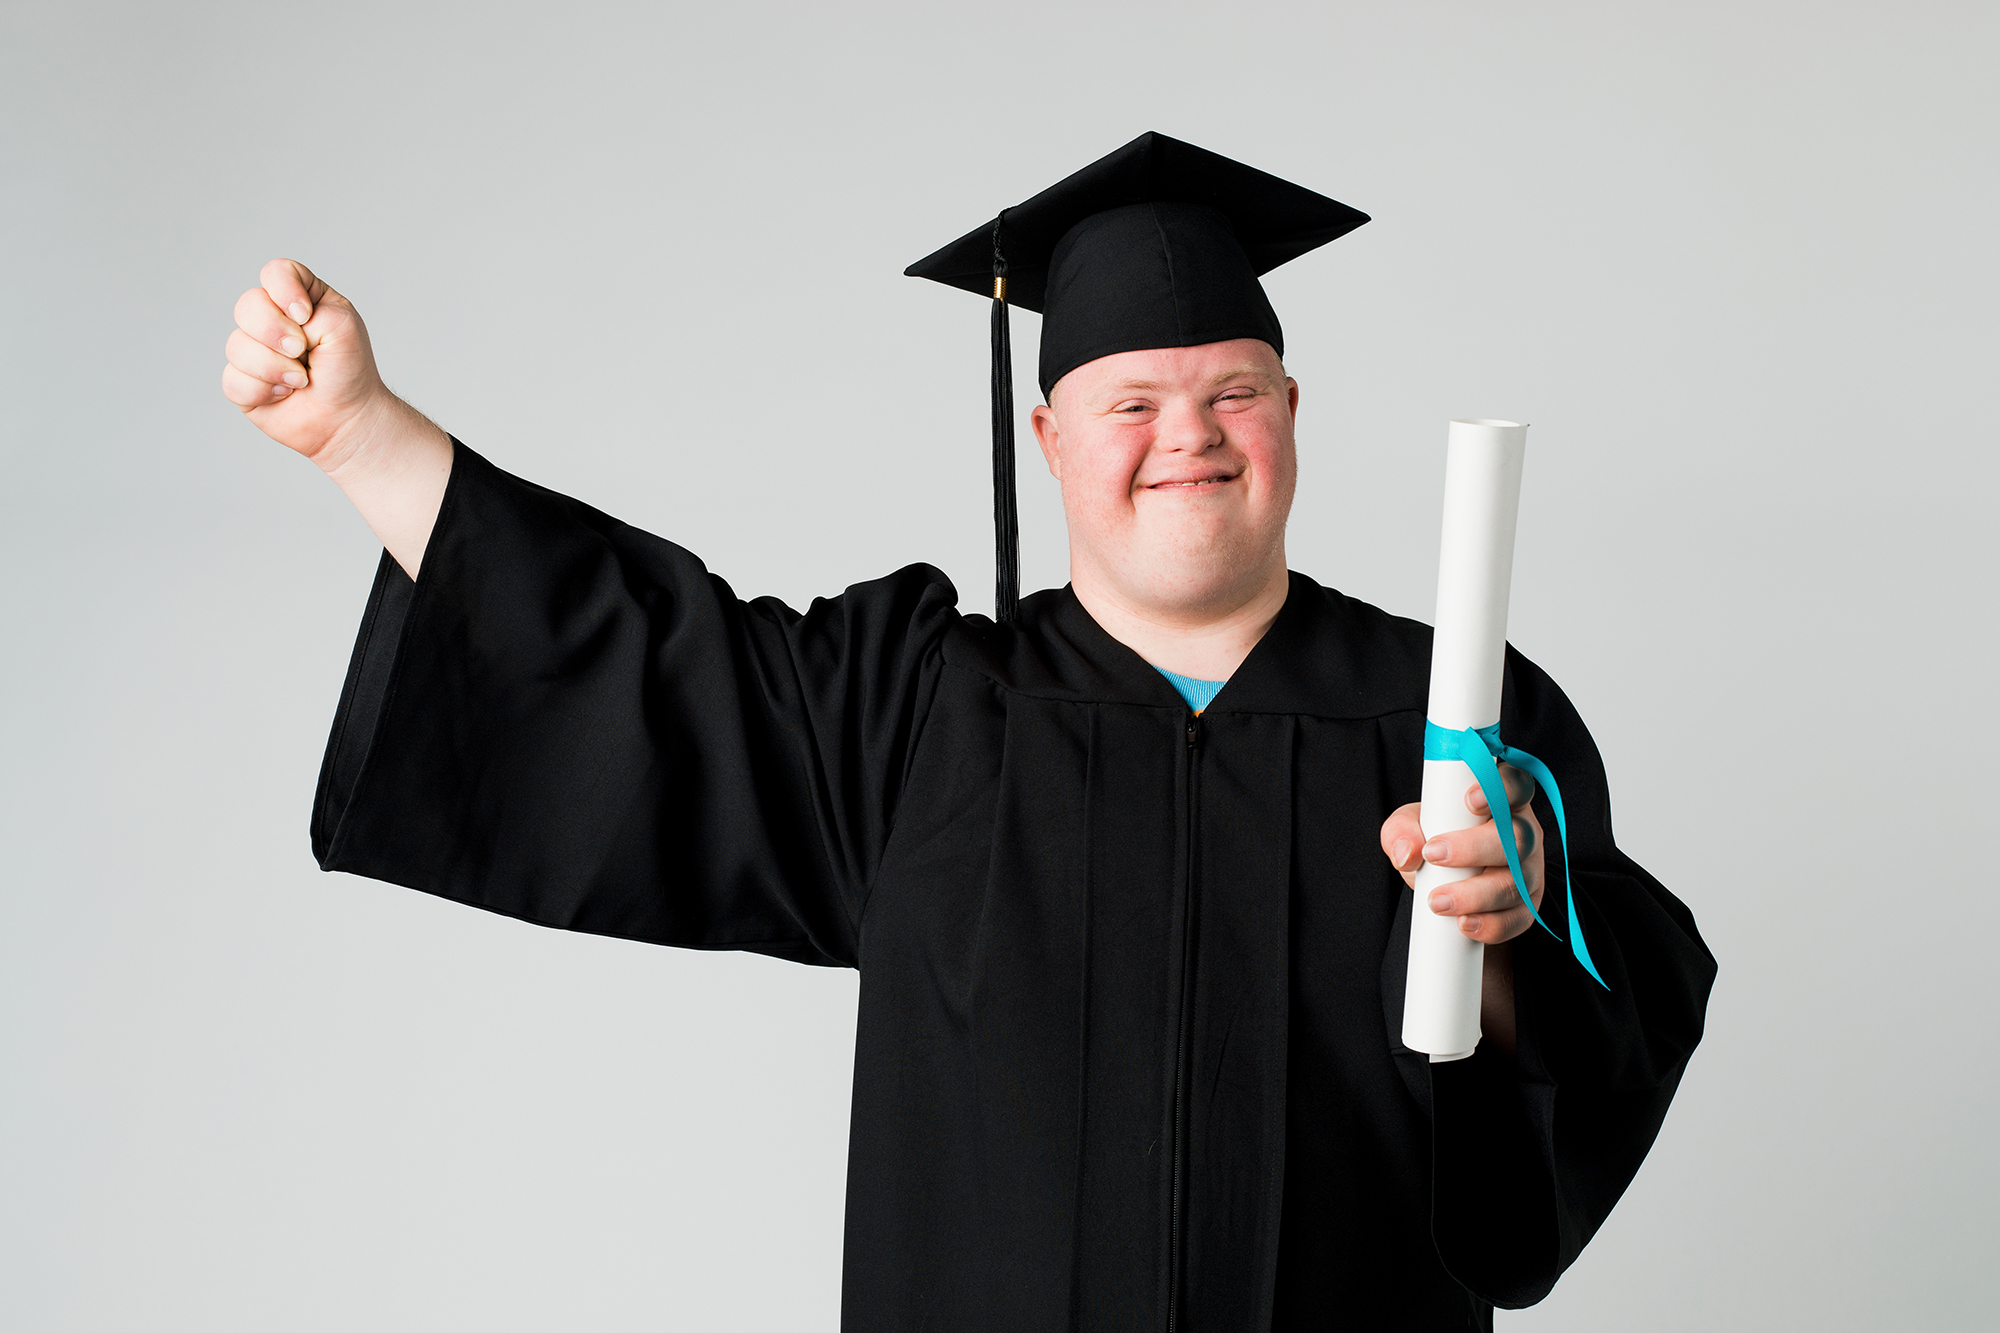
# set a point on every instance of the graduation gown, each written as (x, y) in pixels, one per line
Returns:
(1127, 1053)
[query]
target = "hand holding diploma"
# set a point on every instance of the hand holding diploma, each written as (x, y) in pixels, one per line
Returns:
(1487, 905)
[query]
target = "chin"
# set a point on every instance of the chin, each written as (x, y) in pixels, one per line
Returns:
(1199, 583)
(1184, 568)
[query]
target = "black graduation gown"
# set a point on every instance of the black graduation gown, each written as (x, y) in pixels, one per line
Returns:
(1128, 1049)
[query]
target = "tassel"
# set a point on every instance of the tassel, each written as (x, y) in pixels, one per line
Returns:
(1006, 514)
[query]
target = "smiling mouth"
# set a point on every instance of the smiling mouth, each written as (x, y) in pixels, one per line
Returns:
(1188, 485)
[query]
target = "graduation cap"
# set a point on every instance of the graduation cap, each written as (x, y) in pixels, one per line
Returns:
(1159, 244)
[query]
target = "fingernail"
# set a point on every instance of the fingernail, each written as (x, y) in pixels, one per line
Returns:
(280, 390)
(1436, 850)
(300, 311)
(295, 379)
(1400, 853)
(1441, 902)
(292, 346)
(1469, 924)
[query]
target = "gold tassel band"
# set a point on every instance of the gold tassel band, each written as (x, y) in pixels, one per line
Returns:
(999, 287)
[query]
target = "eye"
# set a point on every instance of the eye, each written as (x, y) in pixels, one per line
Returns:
(1133, 407)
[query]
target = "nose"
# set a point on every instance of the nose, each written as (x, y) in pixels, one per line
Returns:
(1189, 428)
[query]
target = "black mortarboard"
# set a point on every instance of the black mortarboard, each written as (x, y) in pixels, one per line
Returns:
(1158, 244)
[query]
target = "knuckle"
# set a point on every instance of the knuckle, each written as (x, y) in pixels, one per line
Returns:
(260, 319)
(248, 355)
(1500, 893)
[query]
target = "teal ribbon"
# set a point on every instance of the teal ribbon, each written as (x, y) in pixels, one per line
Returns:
(1477, 748)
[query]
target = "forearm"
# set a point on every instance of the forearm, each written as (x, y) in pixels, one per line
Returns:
(393, 465)
(1496, 996)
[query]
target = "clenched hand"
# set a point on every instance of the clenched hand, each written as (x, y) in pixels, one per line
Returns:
(301, 368)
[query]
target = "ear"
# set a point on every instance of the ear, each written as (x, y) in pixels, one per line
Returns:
(1292, 394)
(1049, 435)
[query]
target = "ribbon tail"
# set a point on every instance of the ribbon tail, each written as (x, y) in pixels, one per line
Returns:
(1539, 771)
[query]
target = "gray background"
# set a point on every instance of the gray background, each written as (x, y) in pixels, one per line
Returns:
(1734, 261)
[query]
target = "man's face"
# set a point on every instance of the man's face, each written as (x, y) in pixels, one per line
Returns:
(1177, 468)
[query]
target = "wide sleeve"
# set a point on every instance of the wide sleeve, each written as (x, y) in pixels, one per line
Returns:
(573, 722)
(1532, 1152)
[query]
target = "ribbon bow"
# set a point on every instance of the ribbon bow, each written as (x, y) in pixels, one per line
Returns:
(1477, 748)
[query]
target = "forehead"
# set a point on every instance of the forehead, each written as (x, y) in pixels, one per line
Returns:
(1172, 369)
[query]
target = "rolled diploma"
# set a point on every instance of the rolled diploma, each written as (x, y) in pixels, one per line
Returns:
(1482, 494)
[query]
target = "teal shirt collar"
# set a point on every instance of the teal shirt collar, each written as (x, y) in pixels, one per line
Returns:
(1198, 693)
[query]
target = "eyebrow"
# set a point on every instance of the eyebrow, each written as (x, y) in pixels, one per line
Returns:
(1212, 382)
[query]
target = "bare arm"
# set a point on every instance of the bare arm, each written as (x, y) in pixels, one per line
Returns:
(301, 368)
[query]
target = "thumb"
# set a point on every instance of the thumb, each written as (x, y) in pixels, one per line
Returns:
(1403, 838)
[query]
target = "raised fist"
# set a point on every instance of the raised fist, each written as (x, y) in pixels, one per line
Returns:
(300, 366)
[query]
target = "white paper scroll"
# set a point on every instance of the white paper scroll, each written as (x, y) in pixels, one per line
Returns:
(1482, 493)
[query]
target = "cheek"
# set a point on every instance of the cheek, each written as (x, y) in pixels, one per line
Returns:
(1275, 463)
(1099, 481)
(1285, 469)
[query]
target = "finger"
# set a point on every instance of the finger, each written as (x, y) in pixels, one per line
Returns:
(1403, 838)
(1490, 891)
(1480, 844)
(1496, 927)
(292, 288)
(248, 392)
(261, 363)
(1520, 790)
(257, 317)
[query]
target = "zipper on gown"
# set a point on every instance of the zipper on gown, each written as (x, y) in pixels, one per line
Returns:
(1182, 1026)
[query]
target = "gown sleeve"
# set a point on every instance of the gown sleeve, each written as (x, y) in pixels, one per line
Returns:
(571, 721)
(1532, 1152)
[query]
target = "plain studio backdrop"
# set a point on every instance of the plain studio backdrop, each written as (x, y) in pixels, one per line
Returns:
(1733, 261)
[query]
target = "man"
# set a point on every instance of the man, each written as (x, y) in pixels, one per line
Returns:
(1123, 869)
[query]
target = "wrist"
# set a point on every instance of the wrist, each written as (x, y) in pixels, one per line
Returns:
(382, 437)
(394, 466)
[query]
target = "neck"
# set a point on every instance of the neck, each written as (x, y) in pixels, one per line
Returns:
(1208, 643)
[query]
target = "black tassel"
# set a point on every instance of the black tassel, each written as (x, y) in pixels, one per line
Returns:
(1006, 515)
